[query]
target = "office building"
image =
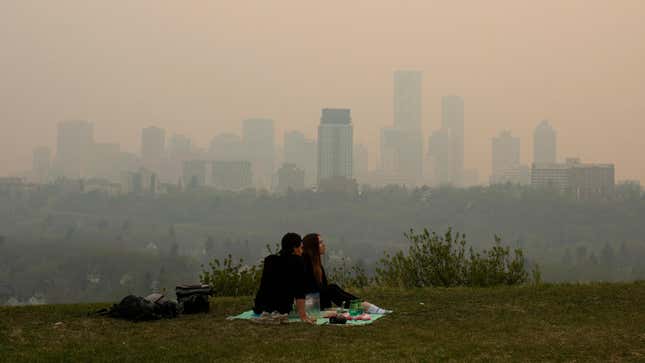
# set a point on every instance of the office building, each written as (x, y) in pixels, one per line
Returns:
(452, 119)
(290, 177)
(407, 118)
(506, 156)
(74, 148)
(544, 144)
(231, 175)
(302, 152)
(259, 146)
(153, 148)
(194, 173)
(335, 144)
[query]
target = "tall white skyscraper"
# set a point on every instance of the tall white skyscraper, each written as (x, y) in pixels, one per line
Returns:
(335, 144)
(452, 119)
(544, 144)
(407, 118)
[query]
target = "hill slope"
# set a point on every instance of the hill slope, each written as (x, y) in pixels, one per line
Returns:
(597, 322)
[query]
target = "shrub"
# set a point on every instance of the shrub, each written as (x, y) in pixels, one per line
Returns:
(229, 279)
(346, 276)
(441, 260)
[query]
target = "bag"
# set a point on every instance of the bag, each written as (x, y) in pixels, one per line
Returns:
(194, 299)
(137, 308)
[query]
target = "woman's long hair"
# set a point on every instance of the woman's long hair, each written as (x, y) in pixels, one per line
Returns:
(311, 253)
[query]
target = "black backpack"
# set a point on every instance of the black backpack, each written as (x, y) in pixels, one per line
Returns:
(136, 308)
(194, 299)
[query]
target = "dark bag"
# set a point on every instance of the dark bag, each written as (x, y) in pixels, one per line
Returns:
(136, 308)
(194, 299)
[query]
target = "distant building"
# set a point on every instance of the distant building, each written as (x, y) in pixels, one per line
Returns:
(452, 118)
(232, 175)
(41, 165)
(517, 174)
(335, 144)
(153, 148)
(544, 144)
(302, 152)
(584, 181)
(392, 141)
(440, 151)
(74, 148)
(102, 185)
(407, 105)
(471, 178)
(226, 147)
(290, 177)
(105, 161)
(506, 156)
(194, 173)
(259, 145)
(142, 181)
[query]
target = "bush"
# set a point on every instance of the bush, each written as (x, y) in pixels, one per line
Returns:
(228, 279)
(435, 260)
(354, 276)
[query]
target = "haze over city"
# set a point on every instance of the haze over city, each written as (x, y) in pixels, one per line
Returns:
(199, 69)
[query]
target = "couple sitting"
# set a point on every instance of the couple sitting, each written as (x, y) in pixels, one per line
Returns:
(295, 272)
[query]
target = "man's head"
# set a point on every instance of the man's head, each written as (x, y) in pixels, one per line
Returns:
(291, 244)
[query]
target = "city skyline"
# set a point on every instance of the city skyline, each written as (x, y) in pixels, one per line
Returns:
(65, 61)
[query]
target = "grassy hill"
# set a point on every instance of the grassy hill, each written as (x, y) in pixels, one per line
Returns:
(597, 322)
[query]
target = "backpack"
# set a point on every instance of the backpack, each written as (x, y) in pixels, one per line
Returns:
(194, 299)
(137, 308)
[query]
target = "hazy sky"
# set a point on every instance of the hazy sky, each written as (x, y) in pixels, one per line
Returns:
(199, 67)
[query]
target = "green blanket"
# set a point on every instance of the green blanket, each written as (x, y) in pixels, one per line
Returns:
(249, 315)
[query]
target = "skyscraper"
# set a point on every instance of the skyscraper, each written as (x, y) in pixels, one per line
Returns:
(74, 148)
(153, 148)
(452, 119)
(440, 150)
(544, 144)
(227, 147)
(259, 146)
(335, 144)
(302, 152)
(407, 118)
(506, 156)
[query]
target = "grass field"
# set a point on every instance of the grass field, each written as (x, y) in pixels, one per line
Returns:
(583, 323)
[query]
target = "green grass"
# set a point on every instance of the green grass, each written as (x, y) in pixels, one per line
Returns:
(596, 322)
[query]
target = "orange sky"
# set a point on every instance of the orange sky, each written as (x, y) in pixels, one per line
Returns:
(199, 67)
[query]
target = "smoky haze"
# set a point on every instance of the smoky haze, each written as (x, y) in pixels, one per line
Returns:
(200, 68)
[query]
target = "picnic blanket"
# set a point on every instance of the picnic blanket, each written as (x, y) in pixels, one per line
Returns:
(249, 315)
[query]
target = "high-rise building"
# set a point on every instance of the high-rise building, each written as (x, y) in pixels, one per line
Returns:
(227, 147)
(105, 161)
(41, 164)
(452, 118)
(290, 177)
(259, 146)
(583, 180)
(407, 118)
(440, 151)
(302, 152)
(74, 148)
(335, 144)
(153, 148)
(194, 173)
(506, 156)
(232, 175)
(544, 144)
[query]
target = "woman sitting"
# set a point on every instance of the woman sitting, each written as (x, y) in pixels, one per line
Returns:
(316, 279)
